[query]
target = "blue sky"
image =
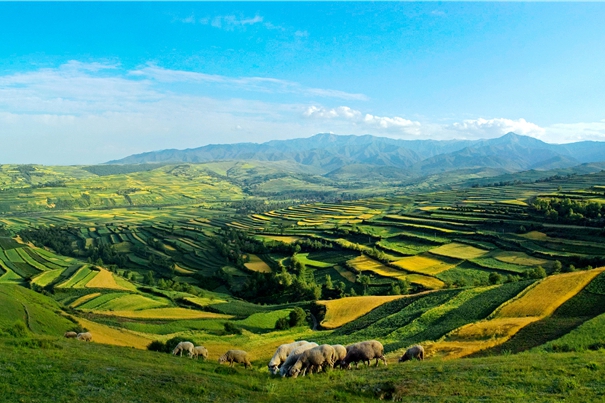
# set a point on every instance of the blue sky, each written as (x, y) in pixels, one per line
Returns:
(89, 82)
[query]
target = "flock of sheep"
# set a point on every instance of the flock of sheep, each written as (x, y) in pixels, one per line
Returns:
(85, 336)
(302, 357)
(297, 358)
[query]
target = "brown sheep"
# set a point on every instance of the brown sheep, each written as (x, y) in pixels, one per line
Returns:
(281, 355)
(414, 352)
(233, 356)
(364, 352)
(199, 351)
(70, 335)
(293, 357)
(86, 336)
(316, 357)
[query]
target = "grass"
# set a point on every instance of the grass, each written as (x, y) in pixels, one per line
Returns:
(304, 258)
(91, 373)
(341, 311)
(124, 302)
(519, 258)
(83, 299)
(459, 251)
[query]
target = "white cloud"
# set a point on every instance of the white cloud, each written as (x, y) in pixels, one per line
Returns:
(488, 128)
(260, 84)
(571, 132)
(230, 22)
(368, 121)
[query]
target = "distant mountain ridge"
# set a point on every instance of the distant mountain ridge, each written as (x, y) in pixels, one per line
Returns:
(330, 153)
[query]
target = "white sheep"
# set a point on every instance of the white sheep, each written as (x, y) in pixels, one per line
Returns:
(70, 335)
(233, 356)
(86, 336)
(199, 351)
(414, 352)
(184, 346)
(315, 358)
(293, 357)
(281, 354)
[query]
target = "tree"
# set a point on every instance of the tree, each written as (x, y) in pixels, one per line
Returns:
(149, 278)
(329, 284)
(557, 266)
(298, 317)
(364, 281)
(537, 273)
(495, 278)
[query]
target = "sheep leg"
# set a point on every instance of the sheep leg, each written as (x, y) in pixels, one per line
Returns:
(421, 355)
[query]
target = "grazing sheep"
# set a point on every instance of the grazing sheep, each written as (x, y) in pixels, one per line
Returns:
(341, 353)
(414, 352)
(84, 336)
(70, 335)
(364, 352)
(233, 356)
(313, 359)
(184, 346)
(199, 351)
(293, 357)
(281, 354)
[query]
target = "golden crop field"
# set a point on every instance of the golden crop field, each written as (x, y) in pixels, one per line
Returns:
(364, 263)
(519, 258)
(257, 264)
(514, 202)
(83, 299)
(104, 279)
(281, 238)
(117, 337)
(459, 251)
(548, 295)
(423, 264)
(344, 310)
(532, 305)
(168, 313)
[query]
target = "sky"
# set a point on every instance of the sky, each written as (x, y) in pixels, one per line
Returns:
(84, 83)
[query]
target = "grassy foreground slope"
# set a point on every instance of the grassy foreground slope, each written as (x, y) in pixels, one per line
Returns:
(73, 371)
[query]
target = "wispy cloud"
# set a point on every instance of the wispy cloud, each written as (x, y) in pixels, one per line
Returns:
(367, 121)
(259, 84)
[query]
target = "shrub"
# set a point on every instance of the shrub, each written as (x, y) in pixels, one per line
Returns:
(158, 346)
(282, 324)
(18, 329)
(232, 328)
(298, 317)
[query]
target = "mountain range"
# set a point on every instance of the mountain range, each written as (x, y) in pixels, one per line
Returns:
(330, 154)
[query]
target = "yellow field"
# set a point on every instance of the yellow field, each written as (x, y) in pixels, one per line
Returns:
(423, 264)
(548, 295)
(83, 299)
(514, 202)
(459, 251)
(535, 235)
(118, 337)
(168, 313)
(345, 273)
(257, 264)
(364, 263)
(284, 239)
(181, 270)
(203, 301)
(519, 258)
(104, 279)
(344, 310)
(532, 305)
